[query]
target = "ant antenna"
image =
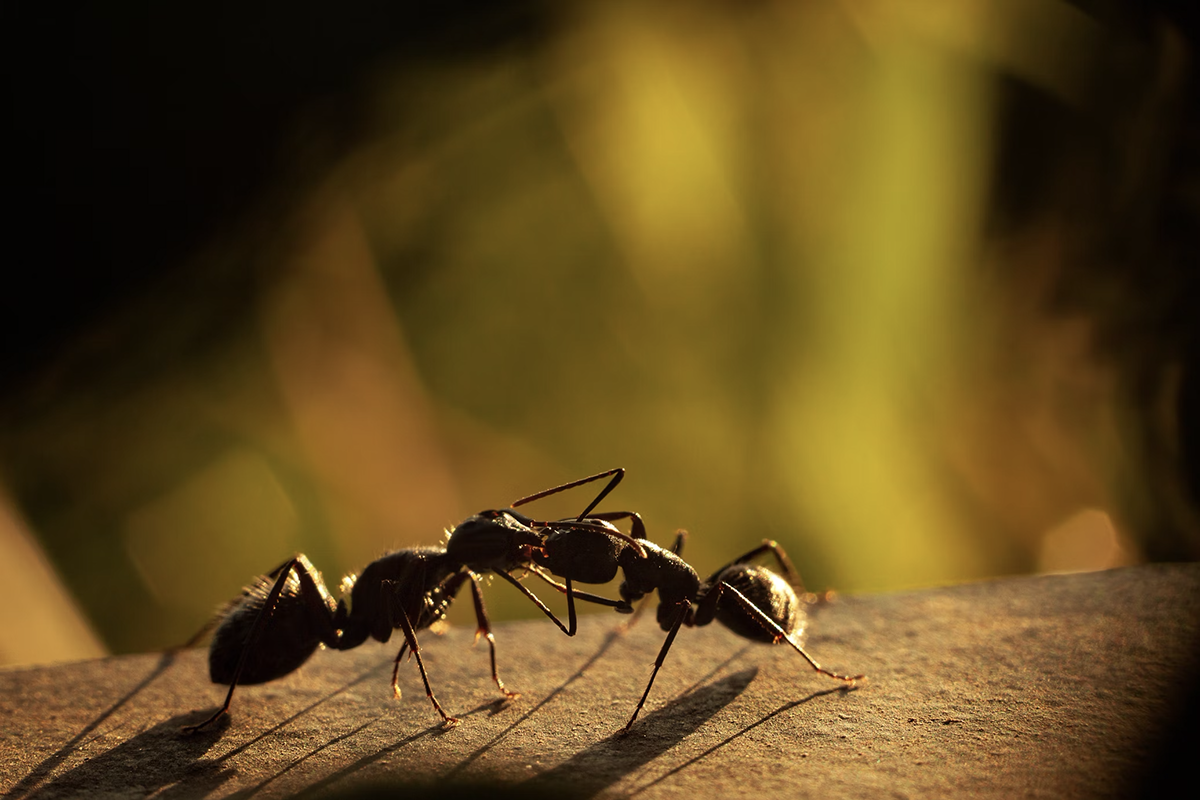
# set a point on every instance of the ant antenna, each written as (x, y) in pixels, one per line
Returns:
(617, 474)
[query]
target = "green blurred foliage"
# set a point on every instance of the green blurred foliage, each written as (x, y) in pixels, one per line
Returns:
(740, 253)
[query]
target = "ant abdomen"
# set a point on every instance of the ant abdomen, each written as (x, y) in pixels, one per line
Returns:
(770, 592)
(751, 601)
(285, 644)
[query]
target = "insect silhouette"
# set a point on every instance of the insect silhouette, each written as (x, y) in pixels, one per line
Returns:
(751, 600)
(281, 620)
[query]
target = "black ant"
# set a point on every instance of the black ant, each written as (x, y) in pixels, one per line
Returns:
(750, 600)
(280, 621)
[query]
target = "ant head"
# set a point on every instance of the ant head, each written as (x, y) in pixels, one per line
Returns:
(493, 540)
(631, 593)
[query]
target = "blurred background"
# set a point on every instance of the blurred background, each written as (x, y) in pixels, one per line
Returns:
(905, 286)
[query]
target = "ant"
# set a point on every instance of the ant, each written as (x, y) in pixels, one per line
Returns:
(750, 600)
(281, 620)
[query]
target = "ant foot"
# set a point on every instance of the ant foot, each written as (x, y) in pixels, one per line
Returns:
(851, 682)
(188, 730)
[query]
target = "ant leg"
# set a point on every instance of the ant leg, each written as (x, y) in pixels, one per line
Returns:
(569, 630)
(396, 670)
(485, 630)
(620, 605)
(617, 474)
(772, 627)
(790, 573)
(635, 615)
(410, 641)
(637, 527)
(304, 570)
(684, 608)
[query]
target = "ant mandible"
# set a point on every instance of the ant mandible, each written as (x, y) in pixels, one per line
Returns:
(752, 601)
(281, 620)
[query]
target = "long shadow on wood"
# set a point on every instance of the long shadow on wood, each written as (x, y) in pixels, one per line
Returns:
(160, 759)
(742, 732)
(591, 771)
(457, 771)
(586, 774)
(38, 773)
(348, 770)
(227, 721)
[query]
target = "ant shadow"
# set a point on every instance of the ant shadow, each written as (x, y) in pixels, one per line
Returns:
(587, 773)
(38, 773)
(450, 779)
(336, 777)
(167, 760)
(225, 720)
(607, 762)
(166, 765)
(612, 636)
(373, 672)
(492, 707)
(590, 771)
(696, 759)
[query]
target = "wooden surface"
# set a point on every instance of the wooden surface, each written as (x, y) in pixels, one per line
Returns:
(1054, 686)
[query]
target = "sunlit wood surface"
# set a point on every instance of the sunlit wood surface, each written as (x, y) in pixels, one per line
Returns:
(1054, 686)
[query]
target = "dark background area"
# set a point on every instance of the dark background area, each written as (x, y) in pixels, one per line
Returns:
(139, 135)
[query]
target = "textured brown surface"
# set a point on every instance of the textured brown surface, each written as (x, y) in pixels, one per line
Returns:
(1046, 687)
